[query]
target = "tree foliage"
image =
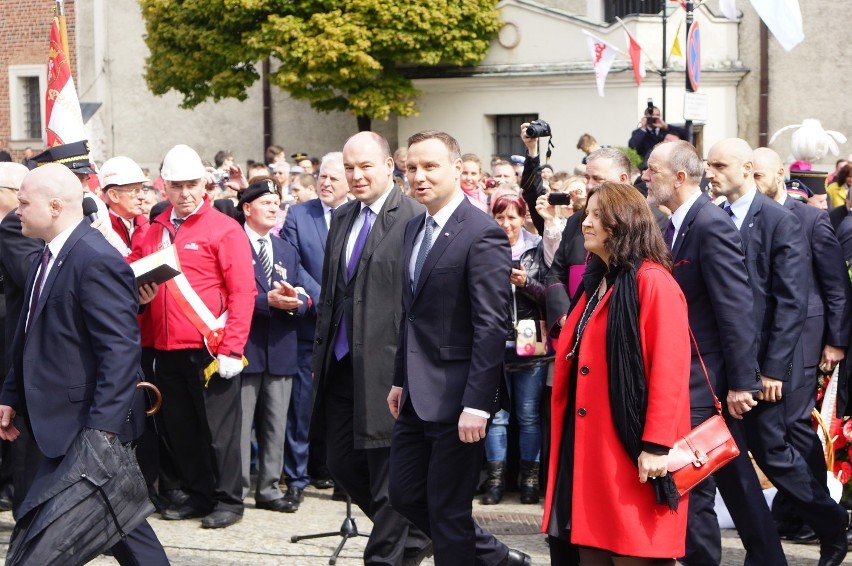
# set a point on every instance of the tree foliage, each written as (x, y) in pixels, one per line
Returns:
(335, 54)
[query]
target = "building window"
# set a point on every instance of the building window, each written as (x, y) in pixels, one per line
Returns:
(622, 8)
(507, 138)
(27, 85)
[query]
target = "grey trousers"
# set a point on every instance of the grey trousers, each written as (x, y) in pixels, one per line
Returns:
(265, 400)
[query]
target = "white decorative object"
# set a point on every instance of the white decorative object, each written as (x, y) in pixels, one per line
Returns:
(810, 142)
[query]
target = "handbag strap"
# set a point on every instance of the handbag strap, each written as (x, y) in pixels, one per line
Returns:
(716, 402)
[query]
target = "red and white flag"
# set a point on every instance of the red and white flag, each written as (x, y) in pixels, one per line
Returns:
(603, 54)
(636, 59)
(62, 107)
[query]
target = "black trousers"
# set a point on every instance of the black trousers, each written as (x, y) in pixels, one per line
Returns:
(141, 547)
(202, 425)
(788, 471)
(433, 477)
(363, 473)
(740, 488)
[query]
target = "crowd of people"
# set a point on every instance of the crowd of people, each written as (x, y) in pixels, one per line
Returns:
(390, 324)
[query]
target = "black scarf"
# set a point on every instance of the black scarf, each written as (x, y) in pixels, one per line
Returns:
(628, 390)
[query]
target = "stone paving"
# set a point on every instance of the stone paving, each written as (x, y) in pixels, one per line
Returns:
(262, 538)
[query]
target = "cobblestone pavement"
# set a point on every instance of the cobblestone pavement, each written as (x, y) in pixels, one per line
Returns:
(262, 538)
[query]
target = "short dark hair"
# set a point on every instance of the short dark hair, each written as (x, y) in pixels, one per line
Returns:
(449, 141)
(634, 234)
(843, 174)
(221, 156)
(272, 152)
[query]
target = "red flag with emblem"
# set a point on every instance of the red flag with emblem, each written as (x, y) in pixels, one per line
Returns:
(62, 107)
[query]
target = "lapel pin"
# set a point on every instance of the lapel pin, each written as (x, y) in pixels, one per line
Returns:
(447, 234)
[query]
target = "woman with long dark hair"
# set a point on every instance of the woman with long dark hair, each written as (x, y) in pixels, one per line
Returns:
(620, 395)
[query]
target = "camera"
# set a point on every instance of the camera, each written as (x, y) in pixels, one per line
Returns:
(538, 129)
(649, 112)
(491, 183)
(221, 177)
(556, 199)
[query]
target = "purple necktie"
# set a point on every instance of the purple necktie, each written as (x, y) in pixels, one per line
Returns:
(39, 283)
(341, 342)
(668, 235)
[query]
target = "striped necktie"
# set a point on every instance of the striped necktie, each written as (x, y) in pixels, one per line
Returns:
(265, 262)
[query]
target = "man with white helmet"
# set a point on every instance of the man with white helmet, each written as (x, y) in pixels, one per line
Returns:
(122, 182)
(200, 323)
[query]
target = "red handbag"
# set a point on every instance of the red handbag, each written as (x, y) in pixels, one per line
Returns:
(705, 449)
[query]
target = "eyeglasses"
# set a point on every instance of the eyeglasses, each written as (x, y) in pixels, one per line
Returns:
(132, 192)
(10, 188)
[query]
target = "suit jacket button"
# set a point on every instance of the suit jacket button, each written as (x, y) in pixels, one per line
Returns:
(584, 370)
(318, 341)
(581, 411)
(328, 302)
(411, 318)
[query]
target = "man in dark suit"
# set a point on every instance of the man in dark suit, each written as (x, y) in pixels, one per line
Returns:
(306, 228)
(826, 330)
(20, 459)
(75, 355)
(356, 340)
(271, 347)
(777, 260)
(448, 368)
(709, 266)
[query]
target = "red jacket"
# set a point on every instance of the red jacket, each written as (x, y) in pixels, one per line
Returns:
(142, 226)
(610, 509)
(215, 255)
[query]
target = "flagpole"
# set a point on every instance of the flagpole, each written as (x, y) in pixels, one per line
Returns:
(653, 65)
(689, 18)
(63, 30)
(665, 64)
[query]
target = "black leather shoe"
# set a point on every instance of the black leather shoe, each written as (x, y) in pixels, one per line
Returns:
(220, 519)
(322, 483)
(517, 558)
(176, 496)
(292, 499)
(413, 557)
(181, 512)
(339, 494)
(833, 550)
(279, 505)
(805, 535)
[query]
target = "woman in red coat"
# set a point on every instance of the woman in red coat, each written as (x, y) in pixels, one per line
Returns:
(620, 396)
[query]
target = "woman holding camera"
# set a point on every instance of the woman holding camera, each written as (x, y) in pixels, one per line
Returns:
(525, 371)
(620, 396)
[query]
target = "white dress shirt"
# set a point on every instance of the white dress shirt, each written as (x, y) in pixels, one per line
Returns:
(740, 207)
(375, 208)
(679, 215)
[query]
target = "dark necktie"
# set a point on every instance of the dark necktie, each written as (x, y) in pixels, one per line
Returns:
(177, 222)
(341, 341)
(265, 262)
(39, 283)
(729, 210)
(425, 246)
(668, 235)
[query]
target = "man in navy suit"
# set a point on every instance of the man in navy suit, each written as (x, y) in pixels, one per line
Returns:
(709, 266)
(306, 228)
(826, 331)
(777, 260)
(76, 350)
(271, 347)
(449, 361)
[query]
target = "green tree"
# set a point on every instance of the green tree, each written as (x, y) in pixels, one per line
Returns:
(344, 55)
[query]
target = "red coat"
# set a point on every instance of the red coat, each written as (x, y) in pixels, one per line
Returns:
(215, 255)
(611, 510)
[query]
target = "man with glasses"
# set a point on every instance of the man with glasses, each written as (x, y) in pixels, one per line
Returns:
(123, 184)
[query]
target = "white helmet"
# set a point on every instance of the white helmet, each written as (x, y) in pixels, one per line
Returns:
(182, 163)
(121, 171)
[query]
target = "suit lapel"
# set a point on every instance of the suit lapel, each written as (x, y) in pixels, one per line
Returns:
(687, 224)
(750, 219)
(316, 212)
(441, 241)
(343, 220)
(381, 225)
(259, 275)
(408, 245)
(72, 240)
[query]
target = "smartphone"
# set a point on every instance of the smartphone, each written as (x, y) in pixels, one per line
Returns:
(559, 199)
(516, 264)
